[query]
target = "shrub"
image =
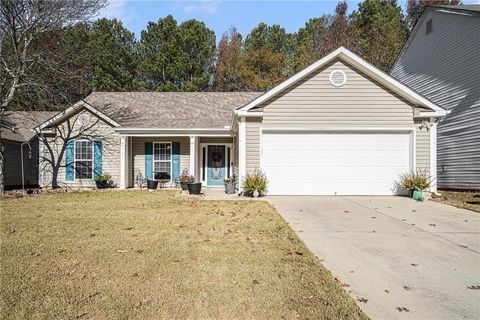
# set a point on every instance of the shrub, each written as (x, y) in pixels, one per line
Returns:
(186, 177)
(256, 181)
(231, 180)
(104, 178)
(418, 179)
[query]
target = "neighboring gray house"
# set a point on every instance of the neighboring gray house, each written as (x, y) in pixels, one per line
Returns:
(16, 128)
(441, 60)
(340, 126)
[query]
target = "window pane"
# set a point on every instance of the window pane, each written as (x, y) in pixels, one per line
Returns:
(83, 169)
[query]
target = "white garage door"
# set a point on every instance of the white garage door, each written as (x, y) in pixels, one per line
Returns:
(329, 164)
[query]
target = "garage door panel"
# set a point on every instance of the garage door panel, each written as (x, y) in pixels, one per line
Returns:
(334, 163)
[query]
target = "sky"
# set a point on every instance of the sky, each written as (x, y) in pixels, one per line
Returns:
(220, 15)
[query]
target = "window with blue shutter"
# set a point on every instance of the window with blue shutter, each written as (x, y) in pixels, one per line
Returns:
(97, 158)
(175, 160)
(70, 161)
(149, 160)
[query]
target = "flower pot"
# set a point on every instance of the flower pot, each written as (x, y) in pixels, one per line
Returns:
(195, 188)
(229, 188)
(152, 184)
(410, 193)
(101, 184)
(184, 186)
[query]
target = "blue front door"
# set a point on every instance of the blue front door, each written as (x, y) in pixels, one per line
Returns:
(216, 165)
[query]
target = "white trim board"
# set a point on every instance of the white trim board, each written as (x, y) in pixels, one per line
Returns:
(71, 111)
(363, 66)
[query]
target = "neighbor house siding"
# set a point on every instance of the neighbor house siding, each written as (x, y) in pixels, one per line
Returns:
(110, 152)
(13, 165)
(252, 137)
(313, 102)
(138, 154)
(444, 66)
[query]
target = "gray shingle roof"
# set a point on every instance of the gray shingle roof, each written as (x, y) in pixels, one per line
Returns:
(170, 109)
(23, 122)
(466, 7)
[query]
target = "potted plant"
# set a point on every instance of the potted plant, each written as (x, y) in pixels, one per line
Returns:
(103, 180)
(415, 180)
(194, 187)
(255, 184)
(230, 185)
(152, 184)
(185, 179)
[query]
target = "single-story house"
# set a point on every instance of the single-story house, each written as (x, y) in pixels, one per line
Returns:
(441, 61)
(16, 130)
(340, 126)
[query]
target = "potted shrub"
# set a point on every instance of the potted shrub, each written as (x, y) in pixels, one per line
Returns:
(255, 184)
(103, 180)
(415, 180)
(230, 185)
(194, 187)
(184, 179)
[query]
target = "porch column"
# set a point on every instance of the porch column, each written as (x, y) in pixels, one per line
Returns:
(193, 155)
(123, 162)
(242, 150)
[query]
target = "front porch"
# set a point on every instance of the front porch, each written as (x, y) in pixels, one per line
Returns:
(209, 158)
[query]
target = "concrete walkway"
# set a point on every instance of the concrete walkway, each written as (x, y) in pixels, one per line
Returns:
(399, 259)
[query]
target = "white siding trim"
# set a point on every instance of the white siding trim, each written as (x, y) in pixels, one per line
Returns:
(123, 162)
(193, 154)
(242, 148)
(413, 152)
(433, 157)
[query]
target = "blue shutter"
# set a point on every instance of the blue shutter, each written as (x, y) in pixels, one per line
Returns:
(69, 161)
(175, 160)
(97, 158)
(149, 160)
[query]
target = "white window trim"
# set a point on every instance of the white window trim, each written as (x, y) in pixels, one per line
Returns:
(75, 159)
(153, 153)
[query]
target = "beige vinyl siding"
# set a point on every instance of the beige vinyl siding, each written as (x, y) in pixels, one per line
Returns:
(13, 165)
(138, 154)
(444, 67)
(252, 138)
(313, 102)
(236, 156)
(422, 147)
(110, 153)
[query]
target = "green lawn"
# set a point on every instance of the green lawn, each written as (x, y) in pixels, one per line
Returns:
(126, 255)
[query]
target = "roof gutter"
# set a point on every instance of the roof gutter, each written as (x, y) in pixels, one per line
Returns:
(184, 132)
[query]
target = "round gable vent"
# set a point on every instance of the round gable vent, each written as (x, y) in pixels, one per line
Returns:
(84, 119)
(337, 78)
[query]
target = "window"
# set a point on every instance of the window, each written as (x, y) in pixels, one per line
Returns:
(429, 26)
(83, 159)
(162, 160)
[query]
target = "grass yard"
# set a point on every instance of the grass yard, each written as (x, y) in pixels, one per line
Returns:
(459, 199)
(126, 255)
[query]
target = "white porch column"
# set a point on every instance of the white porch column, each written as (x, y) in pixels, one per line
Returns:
(242, 150)
(433, 155)
(193, 155)
(123, 162)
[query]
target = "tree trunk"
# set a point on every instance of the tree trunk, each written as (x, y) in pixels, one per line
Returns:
(55, 170)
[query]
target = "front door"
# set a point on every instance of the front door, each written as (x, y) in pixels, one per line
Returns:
(216, 165)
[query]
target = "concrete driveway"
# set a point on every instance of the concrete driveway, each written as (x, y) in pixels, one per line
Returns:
(399, 259)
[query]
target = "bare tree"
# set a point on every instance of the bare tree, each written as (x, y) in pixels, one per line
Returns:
(55, 140)
(22, 22)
